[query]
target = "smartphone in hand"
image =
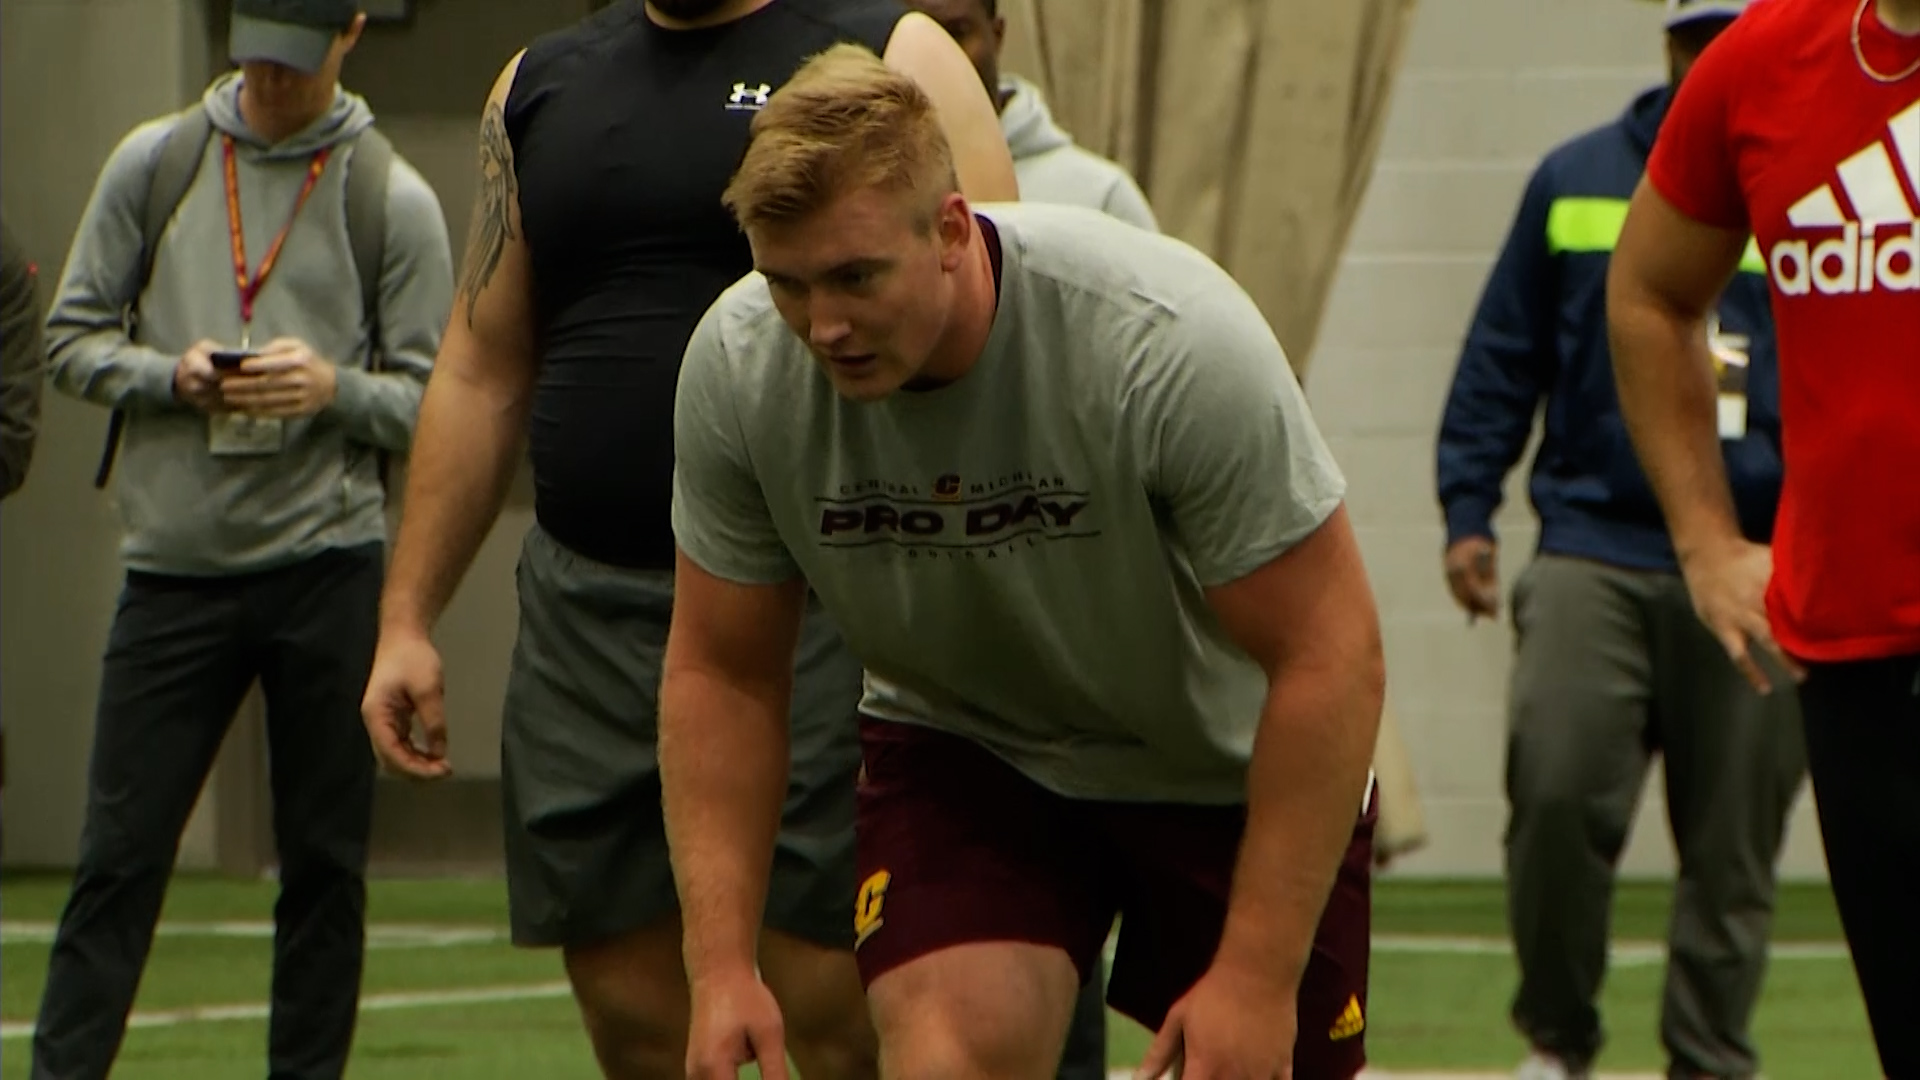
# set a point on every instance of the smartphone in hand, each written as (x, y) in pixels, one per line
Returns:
(227, 361)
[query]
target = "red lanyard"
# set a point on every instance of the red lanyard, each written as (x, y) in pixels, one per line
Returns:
(250, 288)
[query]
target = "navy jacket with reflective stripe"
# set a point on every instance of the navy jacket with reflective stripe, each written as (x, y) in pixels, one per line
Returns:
(1539, 342)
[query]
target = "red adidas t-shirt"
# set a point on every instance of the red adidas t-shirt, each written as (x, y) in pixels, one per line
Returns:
(1779, 130)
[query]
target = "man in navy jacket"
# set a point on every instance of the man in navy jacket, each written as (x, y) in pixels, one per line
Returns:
(1612, 665)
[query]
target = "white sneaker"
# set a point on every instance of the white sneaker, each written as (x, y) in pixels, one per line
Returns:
(1540, 1066)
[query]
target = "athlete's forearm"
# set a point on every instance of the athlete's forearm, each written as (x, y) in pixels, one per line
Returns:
(1664, 375)
(723, 778)
(466, 447)
(1304, 793)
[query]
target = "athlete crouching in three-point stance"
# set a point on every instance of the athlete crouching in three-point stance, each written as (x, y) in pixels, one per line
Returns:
(1055, 481)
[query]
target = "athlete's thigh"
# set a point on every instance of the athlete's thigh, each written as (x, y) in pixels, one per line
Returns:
(585, 841)
(810, 892)
(1178, 874)
(983, 904)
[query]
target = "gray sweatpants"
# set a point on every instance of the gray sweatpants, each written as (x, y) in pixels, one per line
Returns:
(1613, 667)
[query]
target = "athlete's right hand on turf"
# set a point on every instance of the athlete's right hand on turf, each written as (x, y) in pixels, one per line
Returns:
(735, 1021)
(1473, 575)
(1728, 584)
(406, 687)
(1234, 1024)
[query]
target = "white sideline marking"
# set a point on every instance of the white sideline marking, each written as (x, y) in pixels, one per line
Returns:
(1373, 1074)
(379, 935)
(1622, 953)
(433, 999)
(411, 936)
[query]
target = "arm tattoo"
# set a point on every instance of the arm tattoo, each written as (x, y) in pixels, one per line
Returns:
(492, 209)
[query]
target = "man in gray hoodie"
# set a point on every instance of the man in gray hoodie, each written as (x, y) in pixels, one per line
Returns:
(1049, 165)
(259, 394)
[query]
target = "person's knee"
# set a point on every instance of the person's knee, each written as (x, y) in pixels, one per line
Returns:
(121, 844)
(1545, 773)
(629, 1041)
(978, 1012)
(977, 1047)
(335, 861)
(1555, 809)
(632, 994)
(1553, 814)
(829, 1032)
(847, 1052)
(832, 1039)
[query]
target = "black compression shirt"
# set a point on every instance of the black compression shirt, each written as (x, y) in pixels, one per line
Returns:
(624, 135)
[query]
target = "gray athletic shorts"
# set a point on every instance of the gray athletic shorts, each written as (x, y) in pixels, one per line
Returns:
(585, 844)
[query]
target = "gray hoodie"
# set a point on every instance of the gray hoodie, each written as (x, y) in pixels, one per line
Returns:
(185, 510)
(1052, 169)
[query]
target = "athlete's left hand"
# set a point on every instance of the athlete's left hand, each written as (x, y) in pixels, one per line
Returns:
(1235, 1024)
(287, 379)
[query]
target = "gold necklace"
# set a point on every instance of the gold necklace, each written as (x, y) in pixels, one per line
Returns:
(1860, 55)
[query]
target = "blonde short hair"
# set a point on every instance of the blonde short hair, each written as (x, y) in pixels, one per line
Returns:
(844, 122)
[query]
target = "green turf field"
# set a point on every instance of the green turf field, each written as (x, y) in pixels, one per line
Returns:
(448, 999)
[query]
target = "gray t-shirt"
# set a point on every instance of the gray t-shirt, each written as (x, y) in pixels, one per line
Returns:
(1018, 557)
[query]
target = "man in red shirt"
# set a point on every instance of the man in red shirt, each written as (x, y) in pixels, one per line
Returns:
(1802, 127)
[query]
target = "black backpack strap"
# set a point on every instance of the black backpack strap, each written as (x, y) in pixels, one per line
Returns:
(367, 219)
(181, 151)
(179, 163)
(367, 173)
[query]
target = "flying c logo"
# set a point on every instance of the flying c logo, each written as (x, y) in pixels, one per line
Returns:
(866, 907)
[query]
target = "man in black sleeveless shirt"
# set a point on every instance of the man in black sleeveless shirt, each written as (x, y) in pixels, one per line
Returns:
(598, 241)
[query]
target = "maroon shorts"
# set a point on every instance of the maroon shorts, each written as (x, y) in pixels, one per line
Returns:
(958, 847)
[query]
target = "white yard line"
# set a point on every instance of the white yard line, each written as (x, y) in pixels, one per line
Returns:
(429, 936)
(1623, 953)
(431, 999)
(1373, 1074)
(379, 935)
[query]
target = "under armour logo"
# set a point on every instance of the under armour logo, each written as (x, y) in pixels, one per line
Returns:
(748, 97)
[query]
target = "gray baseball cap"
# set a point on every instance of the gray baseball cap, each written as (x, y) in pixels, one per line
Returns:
(1682, 12)
(294, 33)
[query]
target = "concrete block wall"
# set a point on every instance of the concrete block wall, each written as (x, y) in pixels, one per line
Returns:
(1488, 86)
